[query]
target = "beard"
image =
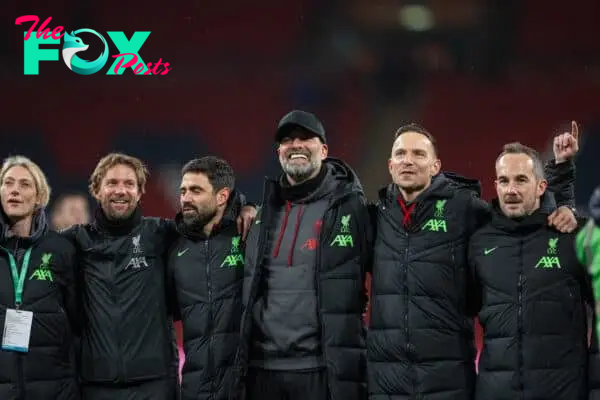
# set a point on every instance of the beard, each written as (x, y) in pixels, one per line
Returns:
(118, 215)
(199, 218)
(516, 214)
(524, 209)
(412, 187)
(524, 206)
(300, 173)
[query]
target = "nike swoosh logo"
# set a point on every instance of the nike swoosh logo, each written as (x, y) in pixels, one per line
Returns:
(182, 252)
(488, 251)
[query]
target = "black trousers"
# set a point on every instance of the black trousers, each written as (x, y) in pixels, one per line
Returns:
(166, 389)
(286, 385)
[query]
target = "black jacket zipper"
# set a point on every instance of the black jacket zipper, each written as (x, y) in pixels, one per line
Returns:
(520, 321)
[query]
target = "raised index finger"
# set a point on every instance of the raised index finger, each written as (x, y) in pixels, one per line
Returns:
(574, 130)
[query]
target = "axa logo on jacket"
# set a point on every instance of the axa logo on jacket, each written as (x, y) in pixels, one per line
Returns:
(551, 260)
(438, 222)
(234, 258)
(138, 260)
(43, 271)
(344, 237)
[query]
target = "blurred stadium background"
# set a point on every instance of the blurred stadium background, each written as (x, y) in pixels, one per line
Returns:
(476, 73)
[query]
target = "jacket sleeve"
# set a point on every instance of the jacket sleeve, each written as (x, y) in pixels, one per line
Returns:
(362, 214)
(72, 278)
(370, 228)
(474, 290)
(171, 290)
(70, 286)
(370, 225)
(478, 213)
(168, 231)
(169, 236)
(561, 182)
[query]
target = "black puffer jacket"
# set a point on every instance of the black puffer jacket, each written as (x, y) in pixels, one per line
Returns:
(47, 371)
(206, 274)
(127, 333)
(533, 310)
(339, 280)
(420, 341)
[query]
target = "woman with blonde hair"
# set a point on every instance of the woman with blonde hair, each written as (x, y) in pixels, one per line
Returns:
(38, 306)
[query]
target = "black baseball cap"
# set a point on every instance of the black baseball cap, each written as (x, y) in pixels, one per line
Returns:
(302, 119)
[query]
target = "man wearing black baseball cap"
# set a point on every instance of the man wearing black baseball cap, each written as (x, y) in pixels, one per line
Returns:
(303, 120)
(306, 255)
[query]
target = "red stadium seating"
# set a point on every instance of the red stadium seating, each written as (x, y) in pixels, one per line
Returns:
(555, 31)
(212, 31)
(347, 123)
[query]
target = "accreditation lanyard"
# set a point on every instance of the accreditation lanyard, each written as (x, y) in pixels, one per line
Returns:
(18, 278)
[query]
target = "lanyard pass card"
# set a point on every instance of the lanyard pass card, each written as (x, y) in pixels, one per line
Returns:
(17, 330)
(17, 323)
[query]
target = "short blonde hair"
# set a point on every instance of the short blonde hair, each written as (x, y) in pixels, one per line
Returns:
(39, 178)
(113, 159)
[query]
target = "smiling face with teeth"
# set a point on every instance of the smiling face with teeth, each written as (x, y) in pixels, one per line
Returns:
(301, 154)
(119, 192)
